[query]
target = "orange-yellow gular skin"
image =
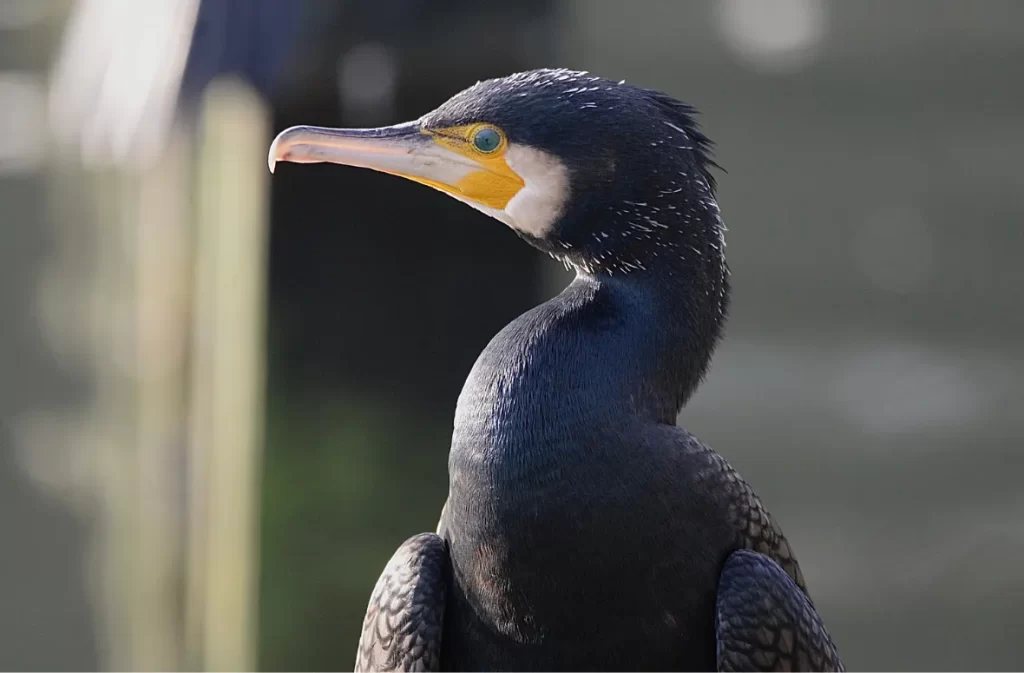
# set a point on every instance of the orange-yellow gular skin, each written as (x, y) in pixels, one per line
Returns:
(494, 183)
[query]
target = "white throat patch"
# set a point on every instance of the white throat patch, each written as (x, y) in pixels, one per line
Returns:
(539, 204)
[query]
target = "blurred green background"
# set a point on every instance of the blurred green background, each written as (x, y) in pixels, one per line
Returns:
(226, 398)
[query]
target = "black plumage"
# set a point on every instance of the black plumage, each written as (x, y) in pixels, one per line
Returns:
(403, 624)
(765, 622)
(584, 529)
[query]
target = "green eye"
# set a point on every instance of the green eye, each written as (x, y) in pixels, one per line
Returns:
(487, 140)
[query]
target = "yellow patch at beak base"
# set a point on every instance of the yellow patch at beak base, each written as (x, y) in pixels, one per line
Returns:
(494, 184)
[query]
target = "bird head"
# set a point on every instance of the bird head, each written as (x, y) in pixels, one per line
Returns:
(606, 176)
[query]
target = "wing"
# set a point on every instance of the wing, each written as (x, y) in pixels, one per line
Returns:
(402, 629)
(756, 530)
(765, 622)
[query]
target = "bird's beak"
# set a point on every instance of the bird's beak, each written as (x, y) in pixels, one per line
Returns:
(445, 161)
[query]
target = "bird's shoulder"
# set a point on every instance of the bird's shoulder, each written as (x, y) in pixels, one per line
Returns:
(753, 526)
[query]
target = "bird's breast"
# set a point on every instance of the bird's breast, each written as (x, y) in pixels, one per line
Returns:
(599, 553)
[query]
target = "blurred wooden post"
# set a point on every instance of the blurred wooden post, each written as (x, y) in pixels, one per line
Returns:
(157, 214)
(227, 379)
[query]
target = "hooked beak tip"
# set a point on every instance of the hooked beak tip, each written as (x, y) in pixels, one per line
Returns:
(274, 155)
(284, 144)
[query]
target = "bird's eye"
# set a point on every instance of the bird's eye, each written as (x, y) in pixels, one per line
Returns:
(487, 139)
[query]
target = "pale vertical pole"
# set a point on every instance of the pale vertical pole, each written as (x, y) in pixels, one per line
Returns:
(227, 378)
(161, 214)
(138, 304)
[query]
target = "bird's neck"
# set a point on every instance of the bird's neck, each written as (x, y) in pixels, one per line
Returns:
(607, 352)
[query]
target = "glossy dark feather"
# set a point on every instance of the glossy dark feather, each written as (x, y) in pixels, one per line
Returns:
(402, 629)
(755, 529)
(765, 622)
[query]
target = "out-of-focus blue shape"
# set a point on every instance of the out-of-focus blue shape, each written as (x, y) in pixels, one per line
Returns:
(249, 38)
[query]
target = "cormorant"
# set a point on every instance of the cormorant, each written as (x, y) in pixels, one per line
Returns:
(584, 530)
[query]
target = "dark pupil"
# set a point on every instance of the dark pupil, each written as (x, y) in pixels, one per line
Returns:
(487, 140)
